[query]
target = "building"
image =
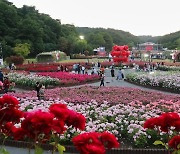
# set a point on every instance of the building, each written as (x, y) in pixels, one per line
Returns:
(101, 52)
(148, 51)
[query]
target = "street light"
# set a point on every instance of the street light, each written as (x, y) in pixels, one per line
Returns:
(82, 38)
(1, 55)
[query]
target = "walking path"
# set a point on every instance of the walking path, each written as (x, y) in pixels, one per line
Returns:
(109, 82)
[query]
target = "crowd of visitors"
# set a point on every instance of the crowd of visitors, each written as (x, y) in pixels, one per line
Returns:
(147, 67)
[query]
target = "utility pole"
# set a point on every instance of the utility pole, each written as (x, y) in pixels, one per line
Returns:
(1, 54)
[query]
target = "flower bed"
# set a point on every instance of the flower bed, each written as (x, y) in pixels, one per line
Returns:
(49, 125)
(123, 114)
(29, 80)
(67, 78)
(50, 79)
(46, 67)
(110, 94)
(169, 68)
(166, 80)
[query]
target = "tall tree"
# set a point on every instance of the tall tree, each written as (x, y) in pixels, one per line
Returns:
(22, 49)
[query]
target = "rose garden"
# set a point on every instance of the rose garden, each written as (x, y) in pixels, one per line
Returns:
(90, 118)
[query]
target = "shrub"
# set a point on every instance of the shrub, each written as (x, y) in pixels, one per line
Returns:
(17, 60)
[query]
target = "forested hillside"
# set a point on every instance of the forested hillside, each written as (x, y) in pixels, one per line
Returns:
(26, 28)
(148, 38)
(171, 41)
(107, 37)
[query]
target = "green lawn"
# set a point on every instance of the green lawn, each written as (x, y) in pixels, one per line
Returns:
(71, 60)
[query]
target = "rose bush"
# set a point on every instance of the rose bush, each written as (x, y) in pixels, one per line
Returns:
(169, 123)
(40, 126)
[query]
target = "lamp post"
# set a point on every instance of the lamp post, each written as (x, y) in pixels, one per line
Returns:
(82, 38)
(1, 55)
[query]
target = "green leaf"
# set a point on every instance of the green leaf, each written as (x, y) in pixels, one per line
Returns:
(178, 152)
(38, 150)
(60, 148)
(159, 143)
(166, 146)
(178, 147)
(174, 152)
(3, 151)
(53, 143)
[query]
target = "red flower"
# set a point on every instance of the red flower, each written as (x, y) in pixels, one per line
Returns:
(81, 141)
(7, 128)
(10, 101)
(176, 124)
(37, 122)
(109, 140)
(58, 126)
(94, 149)
(174, 142)
(166, 120)
(76, 119)
(18, 133)
(151, 123)
(59, 110)
(94, 143)
(10, 130)
(9, 109)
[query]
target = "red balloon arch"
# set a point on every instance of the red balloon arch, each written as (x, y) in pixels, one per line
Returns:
(120, 53)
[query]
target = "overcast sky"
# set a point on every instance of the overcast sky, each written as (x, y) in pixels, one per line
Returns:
(139, 17)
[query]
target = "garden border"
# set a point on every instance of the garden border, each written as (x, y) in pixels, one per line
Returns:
(71, 149)
(153, 87)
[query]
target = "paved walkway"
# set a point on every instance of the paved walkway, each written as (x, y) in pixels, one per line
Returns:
(109, 82)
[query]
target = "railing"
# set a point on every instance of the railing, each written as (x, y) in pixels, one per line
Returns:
(72, 150)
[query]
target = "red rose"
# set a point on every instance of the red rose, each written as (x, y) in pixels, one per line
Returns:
(76, 119)
(151, 123)
(37, 122)
(94, 143)
(109, 140)
(174, 142)
(59, 110)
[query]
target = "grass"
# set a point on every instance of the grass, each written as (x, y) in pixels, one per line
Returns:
(70, 60)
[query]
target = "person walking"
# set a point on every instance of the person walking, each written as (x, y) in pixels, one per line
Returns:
(120, 75)
(112, 73)
(83, 69)
(1, 76)
(37, 88)
(102, 80)
(41, 92)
